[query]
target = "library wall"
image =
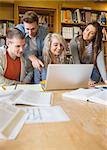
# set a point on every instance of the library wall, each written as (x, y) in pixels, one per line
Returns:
(6, 11)
(38, 4)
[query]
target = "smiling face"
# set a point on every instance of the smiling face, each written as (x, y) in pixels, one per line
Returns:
(89, 33)
(56, 47)
(31, 28)
(16, 47)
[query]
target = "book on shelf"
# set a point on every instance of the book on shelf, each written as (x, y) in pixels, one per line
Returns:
(3, 28)
(11, 120)
(94, 17)
(67, 32)
(104, 34)
(87, 17)
(2, 42)
(92, 95)
(71, 32)
(78, 15)
(27, 97)
(76, 31)
(66, 16)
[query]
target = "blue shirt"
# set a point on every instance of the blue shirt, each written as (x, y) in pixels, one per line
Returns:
(40, 36)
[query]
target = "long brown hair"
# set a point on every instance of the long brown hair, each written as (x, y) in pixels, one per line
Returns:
(96, 42)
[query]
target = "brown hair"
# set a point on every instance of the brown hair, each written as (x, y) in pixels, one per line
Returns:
(96, 42)
(15, 33)
(30, 17)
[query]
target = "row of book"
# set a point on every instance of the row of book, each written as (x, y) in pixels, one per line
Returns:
(70, 32)
(104, 31)
(43, 19)
(83, 16)
(4, 26)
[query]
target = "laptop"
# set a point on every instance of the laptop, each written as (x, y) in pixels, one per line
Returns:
(67, 76)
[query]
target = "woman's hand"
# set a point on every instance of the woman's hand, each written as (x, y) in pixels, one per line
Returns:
(91, 83)
(105, 81)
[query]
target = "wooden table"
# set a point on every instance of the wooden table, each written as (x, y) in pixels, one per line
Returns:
(87, 130)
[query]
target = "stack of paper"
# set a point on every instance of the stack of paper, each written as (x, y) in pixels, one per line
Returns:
(11, 120)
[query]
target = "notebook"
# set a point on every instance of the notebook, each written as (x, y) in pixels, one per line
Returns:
(67, 76)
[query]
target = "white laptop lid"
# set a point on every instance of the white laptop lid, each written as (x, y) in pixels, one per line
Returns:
(68, 76)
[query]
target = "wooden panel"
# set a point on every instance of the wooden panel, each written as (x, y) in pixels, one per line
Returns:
(105, 53)
(6, 11)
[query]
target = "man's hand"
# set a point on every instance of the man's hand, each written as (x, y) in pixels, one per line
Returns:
(36, 63)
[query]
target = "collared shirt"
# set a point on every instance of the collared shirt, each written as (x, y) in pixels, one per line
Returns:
(40, 36)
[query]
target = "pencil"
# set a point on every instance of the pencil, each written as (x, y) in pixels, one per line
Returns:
(3, 87)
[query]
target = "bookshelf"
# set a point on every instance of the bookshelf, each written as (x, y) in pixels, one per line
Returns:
(78, 18)
(45, 15)
(6, 19)
(74, 20)
(4, 26)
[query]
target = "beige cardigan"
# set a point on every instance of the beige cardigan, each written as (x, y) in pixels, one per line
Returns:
(26, 69)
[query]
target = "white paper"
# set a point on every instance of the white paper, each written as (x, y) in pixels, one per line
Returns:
(93, 95)
(46, 114)
(80, 94)
(100, 97)
(36, 87)
(27, 97)
(11, 120)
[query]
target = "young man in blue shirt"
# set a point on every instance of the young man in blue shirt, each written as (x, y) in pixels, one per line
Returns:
(34, 36)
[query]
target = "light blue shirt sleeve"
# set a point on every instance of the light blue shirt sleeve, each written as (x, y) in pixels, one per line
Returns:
(101, 65)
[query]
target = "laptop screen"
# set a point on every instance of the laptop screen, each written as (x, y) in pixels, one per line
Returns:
(67, 76)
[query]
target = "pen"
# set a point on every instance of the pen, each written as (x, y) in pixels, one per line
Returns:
(15, 86)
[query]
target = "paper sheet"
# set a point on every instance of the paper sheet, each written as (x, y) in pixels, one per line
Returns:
(11, 120)
(27, 97)
(36, 87)
(46, 114)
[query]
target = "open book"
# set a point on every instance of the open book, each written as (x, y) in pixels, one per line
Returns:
(93, 95)
(27, 97)
(11, 120)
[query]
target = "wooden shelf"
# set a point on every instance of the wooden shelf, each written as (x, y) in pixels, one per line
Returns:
(2, 36)
(72, 24)
(45, 15)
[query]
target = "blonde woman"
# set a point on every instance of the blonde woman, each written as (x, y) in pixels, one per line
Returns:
(54, 52)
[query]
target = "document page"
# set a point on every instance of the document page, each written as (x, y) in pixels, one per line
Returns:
(11, 120)
(80, 94)
(36, 87)
(100, 97)
(27, 97)
(31, 97)
(46, 114)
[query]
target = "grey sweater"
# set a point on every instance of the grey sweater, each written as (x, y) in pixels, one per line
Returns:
(74, 49)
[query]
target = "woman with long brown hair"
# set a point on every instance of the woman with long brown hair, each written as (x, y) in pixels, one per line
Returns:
(88, 49)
